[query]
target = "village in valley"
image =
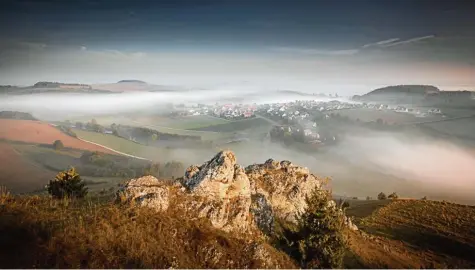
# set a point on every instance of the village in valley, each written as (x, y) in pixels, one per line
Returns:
(304, 119)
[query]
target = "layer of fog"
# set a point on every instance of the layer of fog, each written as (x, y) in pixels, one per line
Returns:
(53, 105)
(363, 165)
(367, 159)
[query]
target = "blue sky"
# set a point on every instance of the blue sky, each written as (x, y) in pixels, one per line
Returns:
(315, 43)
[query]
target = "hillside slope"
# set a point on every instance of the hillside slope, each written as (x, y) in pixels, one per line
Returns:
(38, 232)
(42, 133)
(399, 93)
(417, 233)
(18, 174)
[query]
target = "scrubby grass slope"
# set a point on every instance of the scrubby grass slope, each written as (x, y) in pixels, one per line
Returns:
(440, 234)
(38, 232)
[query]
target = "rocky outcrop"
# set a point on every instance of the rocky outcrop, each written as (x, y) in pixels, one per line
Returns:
(145, 191)
(284, 185)
(218, 190)
(230, 197)
(262, 213)
(222, 191)
(220, 177)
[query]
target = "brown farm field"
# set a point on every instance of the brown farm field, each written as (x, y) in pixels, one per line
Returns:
(19, 174)
(42, 133)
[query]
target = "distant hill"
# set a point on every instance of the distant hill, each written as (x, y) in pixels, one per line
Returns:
(16, 115)
(61, 85)
(400, 90)
(426, 95)
(132, 81)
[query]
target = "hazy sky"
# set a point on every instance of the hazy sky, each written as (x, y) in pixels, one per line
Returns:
(343, 46)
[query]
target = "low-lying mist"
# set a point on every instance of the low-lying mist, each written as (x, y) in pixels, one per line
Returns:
(53, 105)
(435, 162)
(362, 164)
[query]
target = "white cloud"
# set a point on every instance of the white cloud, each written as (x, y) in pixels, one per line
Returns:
(382, 42)
(408, 41)
(316, 51)
(83, 48)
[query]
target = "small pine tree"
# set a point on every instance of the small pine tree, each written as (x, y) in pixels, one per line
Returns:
(58, 145)
(393, 196)
(67, 184)
(382, 196)
(322, 243)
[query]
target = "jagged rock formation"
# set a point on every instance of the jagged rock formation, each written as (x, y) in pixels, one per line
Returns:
(284, 185)
(263, 213)
(220, 177)
(223, 191)
(230, 197)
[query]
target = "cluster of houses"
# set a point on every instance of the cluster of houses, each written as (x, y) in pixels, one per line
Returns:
(230, 111)
(226, 111)
(402, 109)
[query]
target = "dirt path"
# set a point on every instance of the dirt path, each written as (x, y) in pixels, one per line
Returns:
(115, 151)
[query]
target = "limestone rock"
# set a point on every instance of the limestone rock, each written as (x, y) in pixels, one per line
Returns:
(284, 185)
(222, 191)
(145, 191)
(262, 213)
(226, 214)
(220, 177)
(230, 197)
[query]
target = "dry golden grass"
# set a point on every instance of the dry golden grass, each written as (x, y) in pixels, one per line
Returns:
(427, 233)
(39, 232)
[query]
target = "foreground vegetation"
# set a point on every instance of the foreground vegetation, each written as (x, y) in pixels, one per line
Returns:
(67, 231)
(94, 232)
(39, 232)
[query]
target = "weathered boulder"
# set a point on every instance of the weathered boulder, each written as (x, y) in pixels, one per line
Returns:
(284, 185)
(145, 191)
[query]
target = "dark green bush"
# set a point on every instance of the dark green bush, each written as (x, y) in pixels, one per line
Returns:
(58, 145)
(322, 243)
(67, 184)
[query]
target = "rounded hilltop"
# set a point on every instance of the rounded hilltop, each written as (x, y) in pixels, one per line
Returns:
(132, 81)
